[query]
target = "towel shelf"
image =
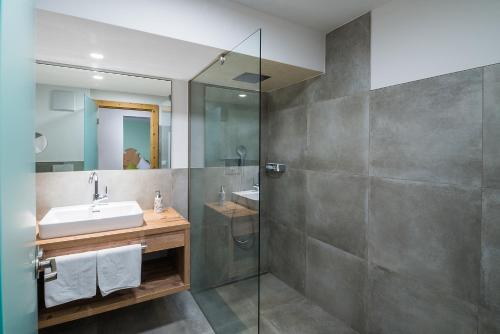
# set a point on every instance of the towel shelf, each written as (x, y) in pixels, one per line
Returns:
(161, 277)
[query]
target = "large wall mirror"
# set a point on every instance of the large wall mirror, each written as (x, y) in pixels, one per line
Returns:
(90, 119)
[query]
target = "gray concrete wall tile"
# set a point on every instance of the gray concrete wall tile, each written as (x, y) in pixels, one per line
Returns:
(489, 321)
(287, 255)
(427, 231)
(398, 304)
(336, 281)
(337, 210)
(347, 66)
(491, 134)
(287, 136)
(490, 249)
(338, 135)
(429, 130)
(285, 198)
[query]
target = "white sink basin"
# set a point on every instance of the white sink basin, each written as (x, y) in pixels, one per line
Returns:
(247, 198)
(80, 219)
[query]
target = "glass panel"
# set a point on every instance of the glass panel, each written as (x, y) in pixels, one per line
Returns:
(224, 192)
(17, 177)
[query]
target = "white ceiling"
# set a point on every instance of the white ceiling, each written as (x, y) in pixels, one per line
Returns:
(322, 15)
(70, 40)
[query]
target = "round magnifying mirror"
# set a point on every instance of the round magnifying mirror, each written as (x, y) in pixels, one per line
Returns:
(40, 142)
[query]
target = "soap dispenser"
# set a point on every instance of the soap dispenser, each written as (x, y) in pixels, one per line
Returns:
(158, 204)
(222, 196)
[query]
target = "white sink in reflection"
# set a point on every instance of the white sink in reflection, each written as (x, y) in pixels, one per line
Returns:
(247, 198)
(80, 219)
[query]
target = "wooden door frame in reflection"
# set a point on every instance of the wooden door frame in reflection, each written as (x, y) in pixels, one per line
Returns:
(155, 121)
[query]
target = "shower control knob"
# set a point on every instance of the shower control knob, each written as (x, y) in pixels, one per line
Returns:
(275, 167)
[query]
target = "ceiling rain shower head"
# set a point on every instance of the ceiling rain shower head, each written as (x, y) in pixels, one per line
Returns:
(251, 78)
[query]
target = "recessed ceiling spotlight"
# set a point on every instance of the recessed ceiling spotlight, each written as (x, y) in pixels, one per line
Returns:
(96, 55)
(98, 77)
(242, 95)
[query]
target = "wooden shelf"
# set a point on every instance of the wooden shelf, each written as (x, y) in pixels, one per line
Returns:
(232, 210)
(158, 280)
(160, 277)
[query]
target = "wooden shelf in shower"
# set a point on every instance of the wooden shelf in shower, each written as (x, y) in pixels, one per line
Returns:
(160, 276)
(232, 210)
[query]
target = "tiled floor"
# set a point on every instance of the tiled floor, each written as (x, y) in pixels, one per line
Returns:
(232, 309)
(176, 314)
(283, 310)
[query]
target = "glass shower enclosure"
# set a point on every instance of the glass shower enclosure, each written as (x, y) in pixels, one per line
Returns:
(224, 162)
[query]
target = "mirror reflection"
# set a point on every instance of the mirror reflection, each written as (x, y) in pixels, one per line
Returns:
(94, 119)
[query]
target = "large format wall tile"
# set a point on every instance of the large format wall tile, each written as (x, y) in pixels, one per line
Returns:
(489, 321)
(427, 231)
(490, 261)
(338, 136)
(347, 62)
(400, 305)
(285, 198)
(336, 210)
(429, 130)
(287, 255)
(491, 134)
(335, 280)
(287, 136)
(288, 97)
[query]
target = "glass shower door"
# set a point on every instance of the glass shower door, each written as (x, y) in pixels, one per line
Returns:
(18, 296)
(224, 189)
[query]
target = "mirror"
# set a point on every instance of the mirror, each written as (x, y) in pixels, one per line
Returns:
(88, 119)
(40, 142)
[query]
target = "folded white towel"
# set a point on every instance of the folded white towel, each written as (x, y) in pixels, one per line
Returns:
(76, 279)
(119, 268)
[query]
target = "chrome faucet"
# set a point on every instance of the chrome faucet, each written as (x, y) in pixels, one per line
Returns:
(96, 198)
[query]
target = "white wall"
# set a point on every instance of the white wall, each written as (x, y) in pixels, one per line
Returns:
(180, 128)
(63, 129)
(413, 40)
(217, 23)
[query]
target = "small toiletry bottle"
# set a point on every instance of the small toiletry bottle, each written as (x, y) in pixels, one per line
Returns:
(222, 196)
(158, 206)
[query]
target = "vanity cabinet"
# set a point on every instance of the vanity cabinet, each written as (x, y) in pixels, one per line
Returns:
(165, 237)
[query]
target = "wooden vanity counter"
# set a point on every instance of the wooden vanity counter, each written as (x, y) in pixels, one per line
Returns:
(161, 276)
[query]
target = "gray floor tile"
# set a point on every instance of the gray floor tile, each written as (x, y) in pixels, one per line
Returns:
(301, 318)
(177, 314)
